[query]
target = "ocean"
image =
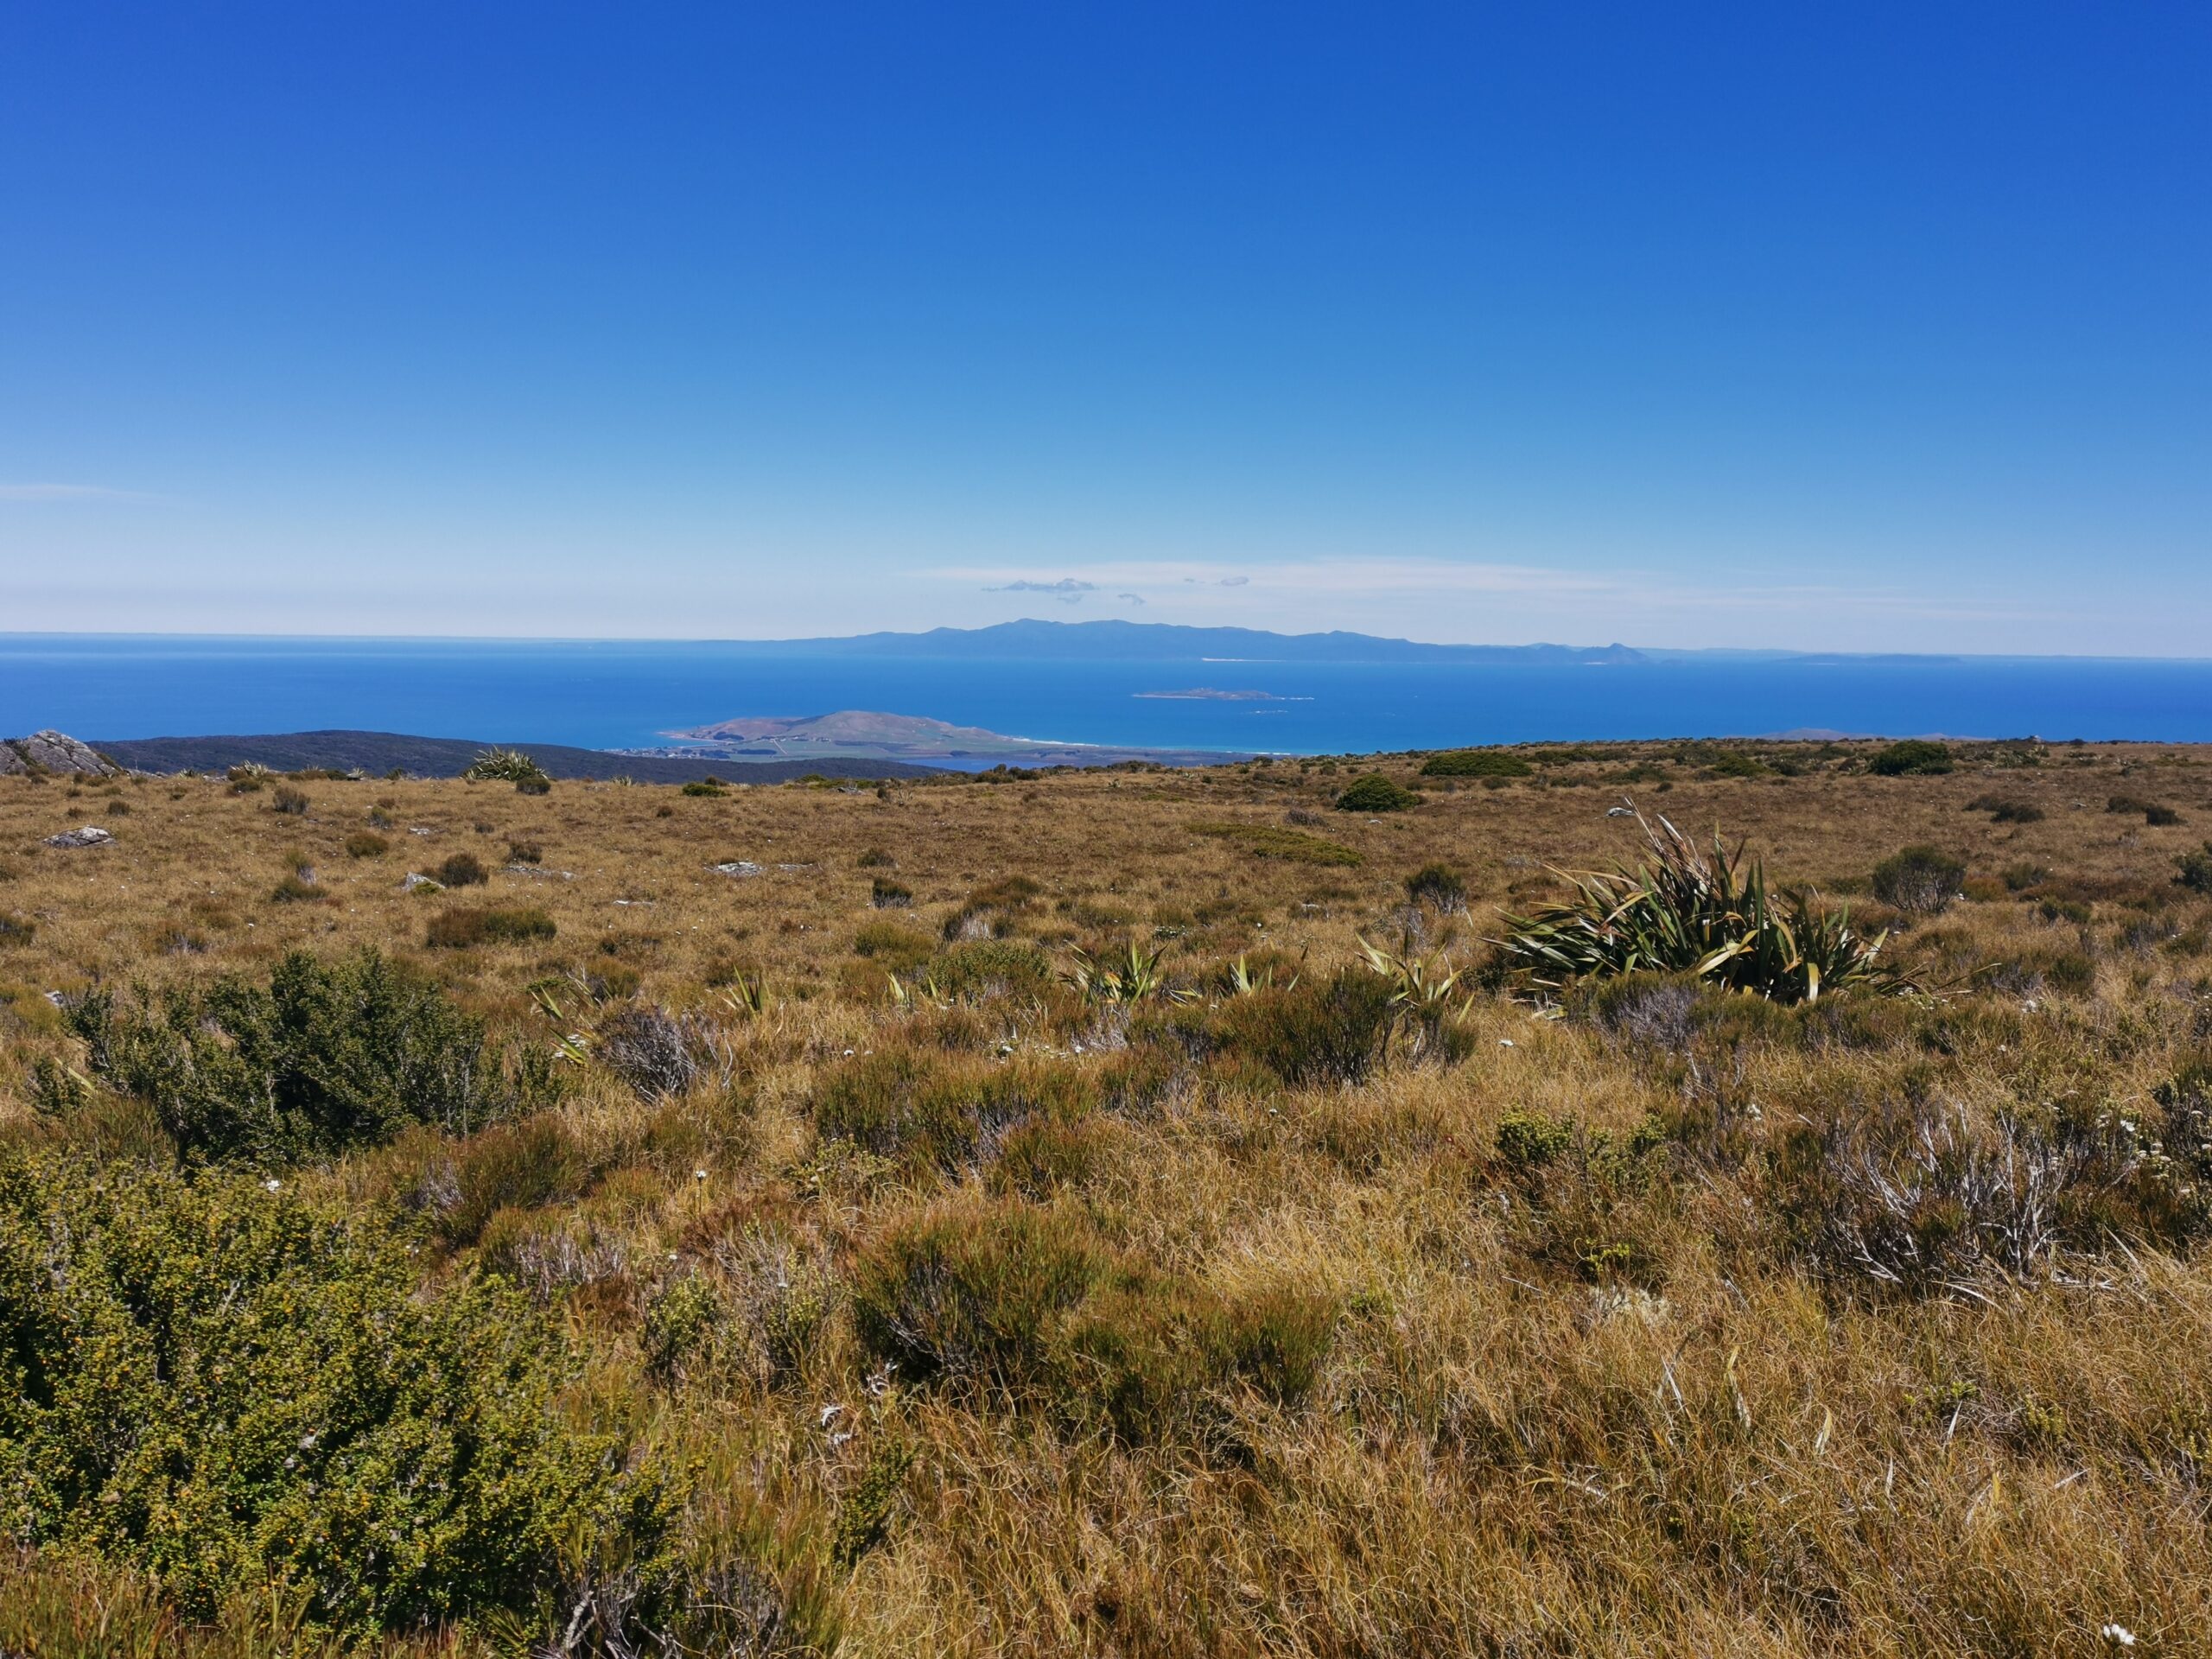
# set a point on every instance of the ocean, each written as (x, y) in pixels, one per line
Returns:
(626, 694)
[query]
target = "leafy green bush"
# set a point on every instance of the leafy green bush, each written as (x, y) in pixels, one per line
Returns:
(1924, 879)
(234, 1392)
(1683, 913)
(1914, 757)
(1476, 763)
(489, 924)
(1273, 840)
(331, 1055)
(1376, 793)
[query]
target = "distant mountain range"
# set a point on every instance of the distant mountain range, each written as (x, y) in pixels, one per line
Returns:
(1119, 641)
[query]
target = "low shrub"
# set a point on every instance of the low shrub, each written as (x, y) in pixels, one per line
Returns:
(274, 1399)
(462, 870)
(2006, 811)
(298, 887)
(328, 1056)
(705, 790)
(2160, 817)
(489, 924)
(367, 843)
(520, 1165)
(2193, 870)
(291, 801)
(1440, 886)
(657, 1053)
(937, 1112)
(525, 852)
(876, 859)
(898, 949)
(1376, 793)
(1332, 1030)
(886, 894)
(1476, 763)
(1273, 840)
(982, 969)
(1914, 757)
(1921, 879)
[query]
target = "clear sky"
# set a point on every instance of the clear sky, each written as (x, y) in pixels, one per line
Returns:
(1867, 327)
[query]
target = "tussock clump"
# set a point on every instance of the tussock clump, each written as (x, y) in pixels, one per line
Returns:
(934, 1111)
(886, 894)
(367, 843)
(462, 870)
(1321, 1031)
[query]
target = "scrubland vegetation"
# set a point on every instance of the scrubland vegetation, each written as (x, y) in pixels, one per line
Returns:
(1394, 1205)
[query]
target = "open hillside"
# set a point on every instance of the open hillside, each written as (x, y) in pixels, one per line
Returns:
(1243, 1210)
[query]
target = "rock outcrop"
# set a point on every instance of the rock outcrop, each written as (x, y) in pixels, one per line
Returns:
(53, 753)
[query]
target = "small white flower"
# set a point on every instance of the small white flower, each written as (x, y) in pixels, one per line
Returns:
(1505, 1042)
(2119, 1633)
(273, 1183)
(698, 1174)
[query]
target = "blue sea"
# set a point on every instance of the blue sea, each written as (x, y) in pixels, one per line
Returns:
(627, 694)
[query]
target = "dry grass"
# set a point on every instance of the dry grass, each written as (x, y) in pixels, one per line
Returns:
(1622, 1394)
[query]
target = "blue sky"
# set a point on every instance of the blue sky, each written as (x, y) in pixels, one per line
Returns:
(1873, 327)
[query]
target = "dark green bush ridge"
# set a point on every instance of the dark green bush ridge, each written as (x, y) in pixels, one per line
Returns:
(1476, 763)
(1915, 757)
(329, 1056)
(226, 1389)
(1376, 793)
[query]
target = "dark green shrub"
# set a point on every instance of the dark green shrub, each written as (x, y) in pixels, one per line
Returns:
(1476, 763)
(1923, 879)
(229, 1390)
(290, 800)
(489, 924)
(1440, 886)
(367, 843)
(1331, 1031)
(329, 1056)
(975, 1288)
(886, 894)
(1735, 763)
(2160, 817)
(711, 790)
(1915, 757)
(462, 870)
(1528, 1140)
(2125, 806)
(1376, 793)
(2193, 870)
